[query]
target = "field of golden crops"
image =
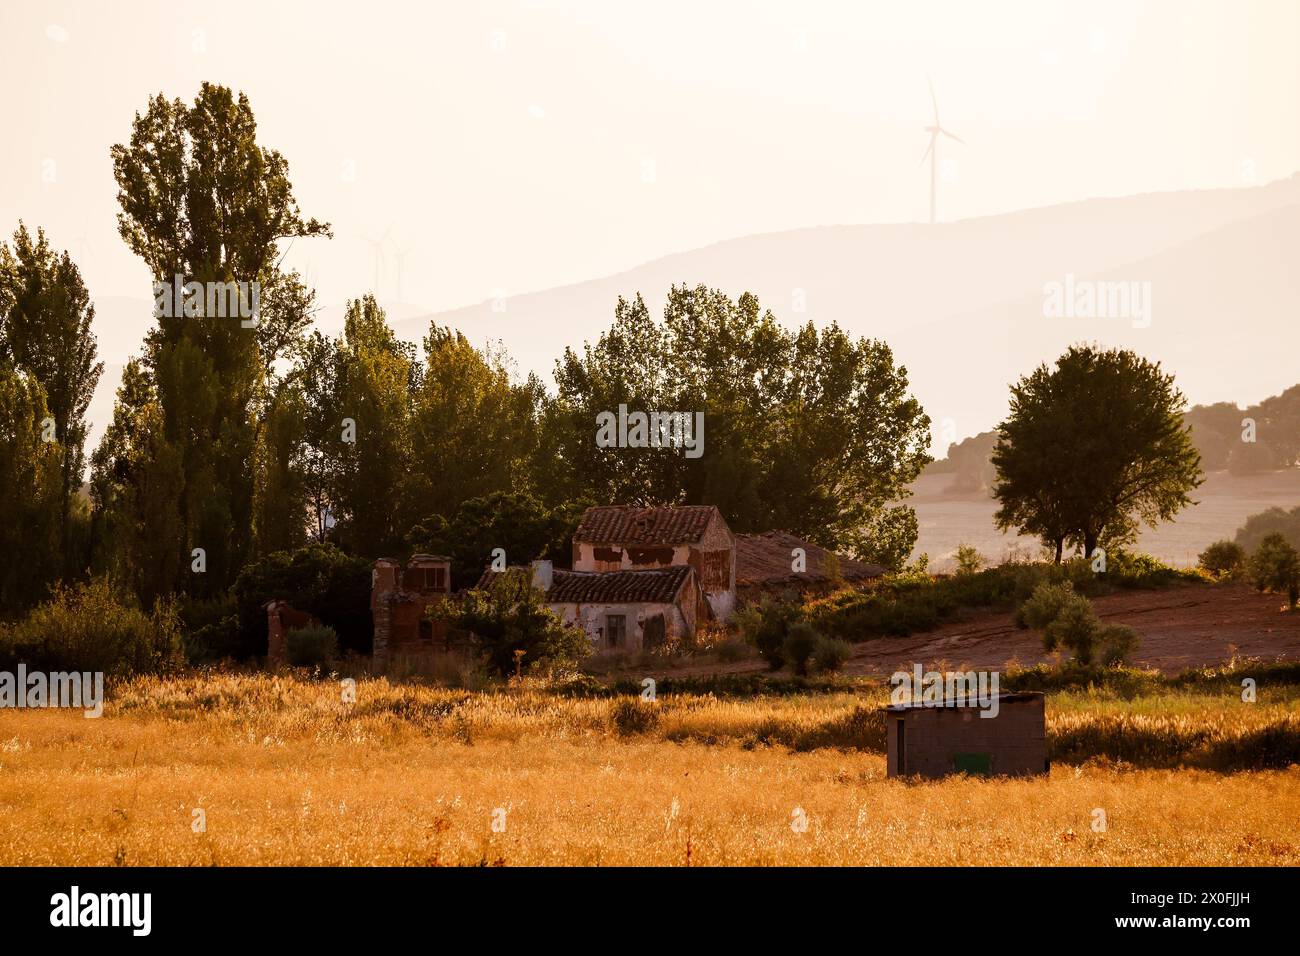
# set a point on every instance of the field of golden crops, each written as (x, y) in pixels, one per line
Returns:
(231, 769)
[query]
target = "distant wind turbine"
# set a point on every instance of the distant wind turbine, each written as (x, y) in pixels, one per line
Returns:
(379, 256)
(930, 150)
(401, 254)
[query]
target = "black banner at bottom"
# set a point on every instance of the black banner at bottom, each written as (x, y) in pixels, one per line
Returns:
(731, 905)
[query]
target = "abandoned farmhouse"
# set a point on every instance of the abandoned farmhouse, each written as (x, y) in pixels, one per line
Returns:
(640, 577)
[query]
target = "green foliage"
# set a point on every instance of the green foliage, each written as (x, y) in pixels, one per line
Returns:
(512, 617)
(969, 560)
(376, 372)
(1092, 449)
(1074, 628)
(1223, 559)
(1129, 570)
(830, 654)
(200, 199)
(1267, 522)
(766, 624)
(1046, 604)
(1275, 566)
(474, 431)
(320, 580)
(312, 645)
(797, 649)
(134, 486)
(914, 601)
(45, 332)
(512, 520)
(88, 628)
(30, 477)
(1068, 622)
(807, 430)
(1116, 643)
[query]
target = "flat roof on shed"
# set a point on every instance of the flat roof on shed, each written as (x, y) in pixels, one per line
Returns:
(1016, 697)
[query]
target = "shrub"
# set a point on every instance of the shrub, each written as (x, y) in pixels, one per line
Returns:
(311, 645)
(1276, 567)
(1075, 628)
(730, 651)
(87, 628)
(1046, 603)
(1143, 571)
(1223, 559)
(969, 560)
(1116, 644)
(1069, 622)
(632, 715)
(830, 654)
(511, 617)
(766, 624)
(800, 642)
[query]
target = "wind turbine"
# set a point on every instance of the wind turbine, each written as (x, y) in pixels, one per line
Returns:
(930, 150)
(379, 256)
(84, 248)
(401, 254)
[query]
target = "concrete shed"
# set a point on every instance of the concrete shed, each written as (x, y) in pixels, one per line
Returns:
(938, 739)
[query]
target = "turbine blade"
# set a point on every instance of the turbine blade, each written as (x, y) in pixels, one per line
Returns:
(953, 136)
(934, 100)
(928, 150)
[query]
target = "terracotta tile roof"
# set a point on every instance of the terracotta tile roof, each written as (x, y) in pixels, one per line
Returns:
(627, 524)
(657, 585)
(763, 560)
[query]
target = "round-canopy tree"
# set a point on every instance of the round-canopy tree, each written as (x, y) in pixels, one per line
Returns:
(1091, 449)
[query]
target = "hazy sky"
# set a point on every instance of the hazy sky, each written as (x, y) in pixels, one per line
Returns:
(520, 145)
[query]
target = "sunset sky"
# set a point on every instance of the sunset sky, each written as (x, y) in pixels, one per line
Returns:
(516, 146)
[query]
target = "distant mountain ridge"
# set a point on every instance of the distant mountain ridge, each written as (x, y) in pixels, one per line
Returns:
(960, 303)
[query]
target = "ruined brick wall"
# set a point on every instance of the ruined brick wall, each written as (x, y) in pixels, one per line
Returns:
(281, 618)
(1015, 740)
(714, 560)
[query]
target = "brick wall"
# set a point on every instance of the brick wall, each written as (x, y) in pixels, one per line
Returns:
(1015, 740)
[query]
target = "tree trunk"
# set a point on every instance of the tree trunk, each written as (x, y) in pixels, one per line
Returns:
(1060, 544)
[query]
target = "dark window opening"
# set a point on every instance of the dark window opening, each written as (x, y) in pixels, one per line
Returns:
(616, 628)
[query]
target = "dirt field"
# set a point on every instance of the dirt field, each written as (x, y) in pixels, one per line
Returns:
(1180, 627)
(1224, 503)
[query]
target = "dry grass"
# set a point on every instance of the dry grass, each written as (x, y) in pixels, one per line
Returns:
(288, 774)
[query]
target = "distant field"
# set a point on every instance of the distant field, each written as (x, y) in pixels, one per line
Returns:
(1225, 502)
(285, 773)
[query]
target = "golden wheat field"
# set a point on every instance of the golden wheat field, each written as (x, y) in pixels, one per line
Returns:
(283, 771)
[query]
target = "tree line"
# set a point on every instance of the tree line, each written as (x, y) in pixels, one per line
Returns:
(233, 441)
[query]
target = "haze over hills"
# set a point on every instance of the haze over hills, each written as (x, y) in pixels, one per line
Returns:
(961, 303)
